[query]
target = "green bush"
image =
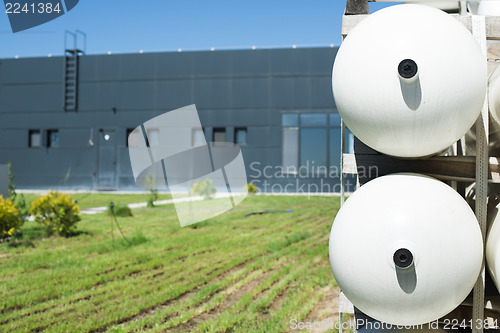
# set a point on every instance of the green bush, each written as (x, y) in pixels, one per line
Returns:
(12, 187)
(21, 206)
(153, 196)
(120, 210)
(57, 212)
(150, 184)
(205, 188)
(251, 188)
(18, 200)
(10, 218)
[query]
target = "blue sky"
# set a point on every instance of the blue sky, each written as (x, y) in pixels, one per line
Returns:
(126, 26)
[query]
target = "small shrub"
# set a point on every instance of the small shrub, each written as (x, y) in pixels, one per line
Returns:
(21, 206)
(57, 212)
(205, 188)
(10, 219)
(12, 187)
(120, 210)
(153, 196)
(150, 184)
(251, 188)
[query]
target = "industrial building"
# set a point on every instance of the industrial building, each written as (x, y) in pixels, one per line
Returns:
(64, 121)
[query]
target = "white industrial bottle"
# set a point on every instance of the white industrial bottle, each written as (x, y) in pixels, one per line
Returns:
(409, 80)
(406, 249)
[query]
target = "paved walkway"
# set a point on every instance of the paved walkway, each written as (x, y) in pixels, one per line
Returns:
(97, 210)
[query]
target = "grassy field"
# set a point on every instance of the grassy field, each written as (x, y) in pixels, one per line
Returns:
(229, 274)
(89, 200)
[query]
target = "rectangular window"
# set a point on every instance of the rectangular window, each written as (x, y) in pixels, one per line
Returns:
(35, 138)
(313, 152)
(53, 138)
(198, 137)
(240, 136)
(290, 120)
(290, 150)
(219, 135)
(313, 119)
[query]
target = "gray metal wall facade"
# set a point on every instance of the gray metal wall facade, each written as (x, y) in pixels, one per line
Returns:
(231, 89)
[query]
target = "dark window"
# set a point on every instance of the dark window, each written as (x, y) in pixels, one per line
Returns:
(290, 149)
(309, 143)
(290, 120)
(313, 154)
(240, 136)
(53, 138)
(219, 135)
(35, 138)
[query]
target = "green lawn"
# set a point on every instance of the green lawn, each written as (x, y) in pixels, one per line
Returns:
(229, 274)
(89, 200)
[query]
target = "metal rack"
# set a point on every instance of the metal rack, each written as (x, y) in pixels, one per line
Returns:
(478, 169)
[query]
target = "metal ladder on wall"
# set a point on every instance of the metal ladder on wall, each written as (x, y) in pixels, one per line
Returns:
(70, 81)
(71, 70)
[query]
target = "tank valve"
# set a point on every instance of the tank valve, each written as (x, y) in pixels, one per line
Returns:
(403, 258)
(407, 69)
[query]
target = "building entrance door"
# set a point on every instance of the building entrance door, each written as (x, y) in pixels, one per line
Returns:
(106, 159)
